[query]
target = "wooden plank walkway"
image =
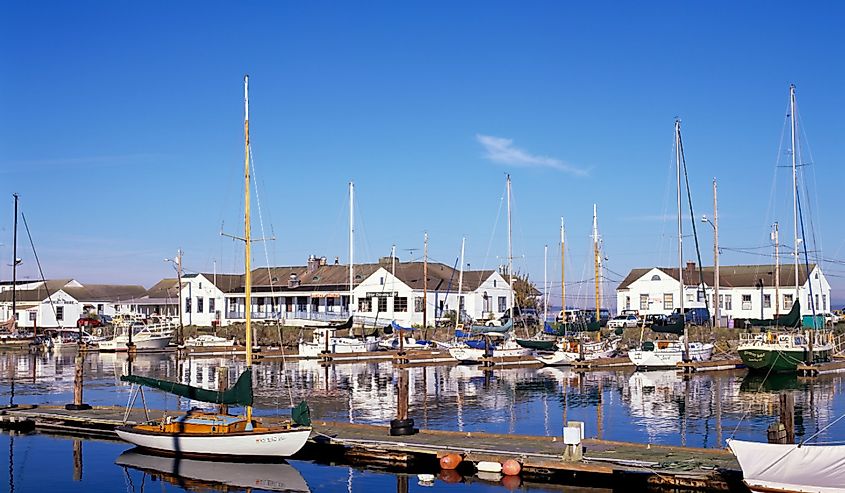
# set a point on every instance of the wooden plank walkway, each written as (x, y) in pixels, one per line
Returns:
(710, 365)
(603, 363)
(371, 445)
(817, 369)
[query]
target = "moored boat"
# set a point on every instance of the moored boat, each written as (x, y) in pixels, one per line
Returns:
(790, 468)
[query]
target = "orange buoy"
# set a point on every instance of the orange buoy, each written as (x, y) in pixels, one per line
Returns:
(450, 461)
(511, 468)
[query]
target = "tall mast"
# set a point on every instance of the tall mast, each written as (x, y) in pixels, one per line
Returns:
(596, 263)
(681, 313)
(562, 277)
(248, 243)
(351, 245)
(776, 241)
(460, 281)
(392, 280)
(510, 250)
(15, 263)
(545, 283)
(793, 131)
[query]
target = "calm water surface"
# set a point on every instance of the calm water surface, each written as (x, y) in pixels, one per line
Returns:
(654, 407)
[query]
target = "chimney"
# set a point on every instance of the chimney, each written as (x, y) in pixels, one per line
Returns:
(313, 263)
(322, 260)
(293, 281)
(690, 266)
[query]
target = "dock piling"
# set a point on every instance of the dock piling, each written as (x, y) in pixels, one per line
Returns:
(222, 385)
(787, 415)
(78, 380)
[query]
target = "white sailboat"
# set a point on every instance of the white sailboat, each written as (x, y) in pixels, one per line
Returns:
(146, 336)
(325, 339)
(466, 353)
(667, 353)
(208, 434)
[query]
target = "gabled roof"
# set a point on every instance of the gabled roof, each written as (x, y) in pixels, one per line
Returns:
(105, 292)
(38, 294)
(729, 275)
(166, 288)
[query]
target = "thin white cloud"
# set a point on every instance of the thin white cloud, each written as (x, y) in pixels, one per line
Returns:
(502, 150)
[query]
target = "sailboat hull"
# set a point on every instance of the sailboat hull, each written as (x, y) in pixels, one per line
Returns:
(272, 443)
(670, 356)
(763, 358)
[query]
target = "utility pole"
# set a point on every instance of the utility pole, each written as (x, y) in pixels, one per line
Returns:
(425, 281)
(716, 255)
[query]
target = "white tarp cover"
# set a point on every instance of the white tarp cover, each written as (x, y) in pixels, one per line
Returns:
(808, 468)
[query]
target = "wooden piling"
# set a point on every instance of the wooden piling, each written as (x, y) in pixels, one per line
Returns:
(222, 385)
(77, 459)
(787, 415)
(78, 381)
(402, 405)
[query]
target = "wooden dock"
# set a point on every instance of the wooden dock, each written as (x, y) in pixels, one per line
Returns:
(604, 462)
(602, 364)
(521, 361)
(711, 365)
(817, 369)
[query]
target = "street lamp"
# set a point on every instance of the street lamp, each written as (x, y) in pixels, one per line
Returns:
(177, 264)
(715, 225)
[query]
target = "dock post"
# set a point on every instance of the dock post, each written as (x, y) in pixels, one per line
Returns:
(787, 415)
(402, 425)
(78, 380)
(77, 460)
(401, 483)
(222, 385)
(573, 434)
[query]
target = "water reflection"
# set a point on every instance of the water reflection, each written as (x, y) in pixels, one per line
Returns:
(656, 407)
(198, 475)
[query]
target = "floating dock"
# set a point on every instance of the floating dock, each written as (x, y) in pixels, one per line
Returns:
(604, 462)
(710, 365)
(602, 363)
(817, 369)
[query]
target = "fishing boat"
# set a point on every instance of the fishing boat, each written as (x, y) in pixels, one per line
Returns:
(668, 353)
(154, 335)
(783, 350)
(204, 475)
(324, 339)
(790, 468)
(209, 434)
(208, 340)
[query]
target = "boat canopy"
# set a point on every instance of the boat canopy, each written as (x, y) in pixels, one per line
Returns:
(671, 325)
(396, 327)
(791, 319)
(239, 394)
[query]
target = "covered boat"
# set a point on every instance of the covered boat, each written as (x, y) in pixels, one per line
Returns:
(789, 468)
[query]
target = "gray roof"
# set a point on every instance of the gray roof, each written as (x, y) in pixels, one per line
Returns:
(729, 275)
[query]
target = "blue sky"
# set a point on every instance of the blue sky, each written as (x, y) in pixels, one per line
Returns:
(122, 129)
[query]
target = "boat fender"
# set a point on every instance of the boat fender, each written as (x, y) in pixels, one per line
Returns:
(450, 461)
(511, 467)
(489, 466)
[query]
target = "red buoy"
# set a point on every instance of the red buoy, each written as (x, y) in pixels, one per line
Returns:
(511, 468)
(450, 461)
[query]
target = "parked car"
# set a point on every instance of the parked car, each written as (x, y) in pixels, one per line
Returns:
(623, 322)
(89, 322)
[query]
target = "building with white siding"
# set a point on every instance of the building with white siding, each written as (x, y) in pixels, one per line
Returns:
(745, 291)
(60, 303)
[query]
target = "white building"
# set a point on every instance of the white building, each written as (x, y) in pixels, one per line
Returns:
(320, 291)
(60, 303)
(745, 291)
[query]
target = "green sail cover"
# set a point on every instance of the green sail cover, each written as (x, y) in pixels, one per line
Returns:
(483, 329)
(673, 325)
(790, 319)
(239, 394)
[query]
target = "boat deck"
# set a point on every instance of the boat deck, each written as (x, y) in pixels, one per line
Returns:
(604, 462)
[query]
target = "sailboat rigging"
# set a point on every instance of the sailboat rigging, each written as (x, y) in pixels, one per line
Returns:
(668, 353)
(199, 433)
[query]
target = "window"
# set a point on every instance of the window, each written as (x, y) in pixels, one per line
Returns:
(643, 302)
(503, 303)
(400, 304)
(729, 302)
(233, 304)
(767, 301)
(690, 297)
(381, 281)
(100, 309)
(809, 300)
(302, 303)
(817, 302)
(655, 277)
(418, 304)
(627, 302)
(211, 305)
(700, 295)
(33, 316)
(746, 302)
(787, 301)
(461, 306)
(494, 283)
(188, 305)
(60, 313)
(382, 303)
(200, 285)
(824, 302)
(199, 304)
(364, 305)
(721, 301)
(668, 301)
